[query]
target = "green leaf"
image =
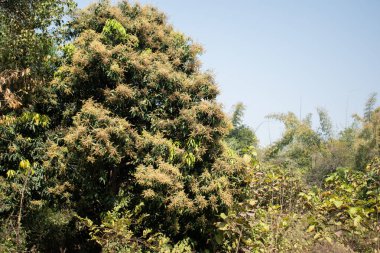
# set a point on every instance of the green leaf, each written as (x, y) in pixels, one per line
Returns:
(337, 203)
(219, 238)
(352, 211)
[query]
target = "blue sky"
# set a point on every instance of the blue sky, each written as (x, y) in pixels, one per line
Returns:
(280, 56)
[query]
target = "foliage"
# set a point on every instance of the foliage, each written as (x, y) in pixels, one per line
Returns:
(271, 219)
(115, 232)
(347, 209)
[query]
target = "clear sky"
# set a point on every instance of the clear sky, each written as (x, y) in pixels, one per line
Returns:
(280, 56)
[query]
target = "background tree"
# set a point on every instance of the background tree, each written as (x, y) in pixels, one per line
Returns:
(28, 43)
(241, 137)
(370, 106)
(298, 145)
(325, 124)
(367, 140)
(29, 37)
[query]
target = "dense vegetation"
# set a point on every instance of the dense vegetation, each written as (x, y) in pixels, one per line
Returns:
(112, 140)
